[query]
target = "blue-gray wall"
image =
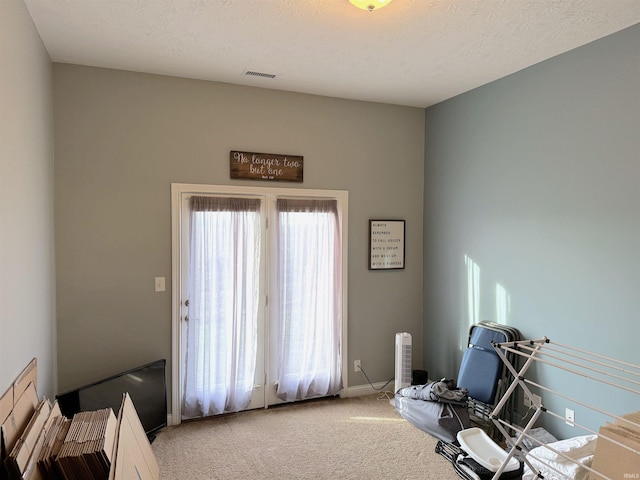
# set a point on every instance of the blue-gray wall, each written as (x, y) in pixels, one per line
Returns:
(532, 188)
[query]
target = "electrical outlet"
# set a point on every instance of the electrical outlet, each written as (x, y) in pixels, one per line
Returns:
(570, 417)
(537, 399)
(356, 366)
(533, 401)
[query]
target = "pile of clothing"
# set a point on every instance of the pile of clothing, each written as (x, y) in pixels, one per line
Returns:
(437, 408)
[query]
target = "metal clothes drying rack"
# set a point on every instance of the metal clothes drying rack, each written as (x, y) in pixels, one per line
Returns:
(604, 370)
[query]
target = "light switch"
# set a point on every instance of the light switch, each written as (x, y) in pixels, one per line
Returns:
(159, 284)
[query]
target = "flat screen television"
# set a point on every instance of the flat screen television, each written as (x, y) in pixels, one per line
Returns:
(146, 386)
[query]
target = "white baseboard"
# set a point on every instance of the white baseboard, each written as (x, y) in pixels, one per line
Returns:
(356, 391)
(360, 390)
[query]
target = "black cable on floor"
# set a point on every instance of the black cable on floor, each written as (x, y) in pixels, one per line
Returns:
(372, 386)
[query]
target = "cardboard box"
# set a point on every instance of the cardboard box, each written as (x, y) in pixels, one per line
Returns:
(56, 432)
(30, 431)
(23, 461)
(29, 375)
(19, 418)
(116, 449)
(617, 453)
(21, 454)
(6, 404)
(134, 457)
(87, 451)
(20, 426)
(32, 471)
(630, 421)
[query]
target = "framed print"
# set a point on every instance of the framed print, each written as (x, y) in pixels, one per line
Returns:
(386, 244)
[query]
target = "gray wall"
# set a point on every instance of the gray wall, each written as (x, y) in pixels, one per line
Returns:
(536, 178)
(27, 326)
(122, 138)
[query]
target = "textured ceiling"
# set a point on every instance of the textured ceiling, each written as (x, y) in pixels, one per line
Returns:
(412, 52)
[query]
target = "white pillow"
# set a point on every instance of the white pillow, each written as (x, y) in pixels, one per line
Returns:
(580, 449)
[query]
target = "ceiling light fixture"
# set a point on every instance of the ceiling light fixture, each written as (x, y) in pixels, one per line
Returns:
(370, 5)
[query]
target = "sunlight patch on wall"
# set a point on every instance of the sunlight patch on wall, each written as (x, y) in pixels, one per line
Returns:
(473, 296)
(503, 305)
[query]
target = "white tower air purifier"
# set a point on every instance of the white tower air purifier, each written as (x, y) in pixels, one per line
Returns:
(403, 361)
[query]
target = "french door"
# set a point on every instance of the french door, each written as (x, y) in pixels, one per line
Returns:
(259, 296)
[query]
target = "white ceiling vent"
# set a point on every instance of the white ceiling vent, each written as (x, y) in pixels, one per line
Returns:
(251, 73)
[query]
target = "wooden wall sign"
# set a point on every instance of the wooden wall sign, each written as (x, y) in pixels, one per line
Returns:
(266, 166)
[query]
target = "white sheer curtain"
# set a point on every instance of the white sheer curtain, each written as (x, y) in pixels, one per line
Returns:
(308, 304)
(223, 282)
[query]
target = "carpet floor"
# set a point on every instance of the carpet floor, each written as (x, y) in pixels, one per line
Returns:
(350, 438)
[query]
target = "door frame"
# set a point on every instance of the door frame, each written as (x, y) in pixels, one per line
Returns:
(178, 191)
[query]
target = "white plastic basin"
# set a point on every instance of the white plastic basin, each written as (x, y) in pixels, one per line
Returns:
(485, 451)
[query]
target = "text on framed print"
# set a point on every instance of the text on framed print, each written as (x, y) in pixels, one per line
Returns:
(386, 244)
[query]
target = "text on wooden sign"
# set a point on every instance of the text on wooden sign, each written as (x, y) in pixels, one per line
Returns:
(266, 166)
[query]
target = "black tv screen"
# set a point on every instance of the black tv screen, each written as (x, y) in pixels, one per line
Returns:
(146, 386)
